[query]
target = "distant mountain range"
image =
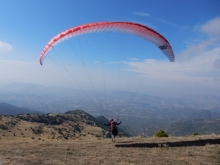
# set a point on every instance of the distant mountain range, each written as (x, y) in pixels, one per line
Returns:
(203, 122)
(59, 99)
(8, 109)
(140, 113)
(201, 126)
(198, 102)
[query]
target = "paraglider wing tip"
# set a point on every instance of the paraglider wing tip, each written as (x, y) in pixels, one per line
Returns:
(171, 58)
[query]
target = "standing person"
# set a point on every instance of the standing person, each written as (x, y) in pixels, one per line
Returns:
(114, 130)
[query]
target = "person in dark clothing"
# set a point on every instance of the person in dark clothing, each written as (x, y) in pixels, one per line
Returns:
(113, 128)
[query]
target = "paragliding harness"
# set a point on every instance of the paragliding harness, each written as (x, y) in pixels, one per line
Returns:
(113, 127)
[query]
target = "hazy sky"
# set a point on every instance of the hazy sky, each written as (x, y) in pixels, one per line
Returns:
(192, 27)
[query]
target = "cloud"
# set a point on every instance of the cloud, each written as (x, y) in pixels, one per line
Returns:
(212, 27)
(18, 63)
(196, 49)
(142, 14)
(27, 72)
(97, 62)
(208, 38)
(195, 69)
(200, 71)
(133, 59)
(216, 64)
(171, 24)
(5, 47)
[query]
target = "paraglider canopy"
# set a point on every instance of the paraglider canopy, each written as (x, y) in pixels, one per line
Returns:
(127, 27)
(102, 70)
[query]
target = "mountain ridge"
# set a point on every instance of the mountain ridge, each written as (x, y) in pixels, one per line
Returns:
(8, 109)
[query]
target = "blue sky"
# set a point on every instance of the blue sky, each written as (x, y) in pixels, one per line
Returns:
(192, 27)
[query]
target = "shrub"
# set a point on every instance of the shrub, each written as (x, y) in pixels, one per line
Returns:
(161, 133)
(37, 130)
(3, 127)
(195, 134)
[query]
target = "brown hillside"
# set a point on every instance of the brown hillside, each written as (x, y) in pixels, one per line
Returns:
(55, 141)
(46, 127)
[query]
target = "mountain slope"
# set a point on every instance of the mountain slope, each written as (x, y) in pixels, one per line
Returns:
(201, 126)
(99, 121)
(8, 109)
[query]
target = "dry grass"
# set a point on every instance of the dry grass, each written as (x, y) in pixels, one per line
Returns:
(19, 145)
(103, 151)
(15, 129)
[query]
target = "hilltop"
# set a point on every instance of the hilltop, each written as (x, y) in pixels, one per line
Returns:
(77, 137)
(98, 121)
(71, 125)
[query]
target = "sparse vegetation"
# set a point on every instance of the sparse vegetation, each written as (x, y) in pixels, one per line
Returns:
(195, 134)
(53, 126)
(37, 130)
(46, 119)
(161, 133)
(3, 127)
(77, 141)
(96, 151)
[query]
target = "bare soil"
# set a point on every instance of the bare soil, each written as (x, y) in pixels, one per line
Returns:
(93, 151)
(77, 142)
